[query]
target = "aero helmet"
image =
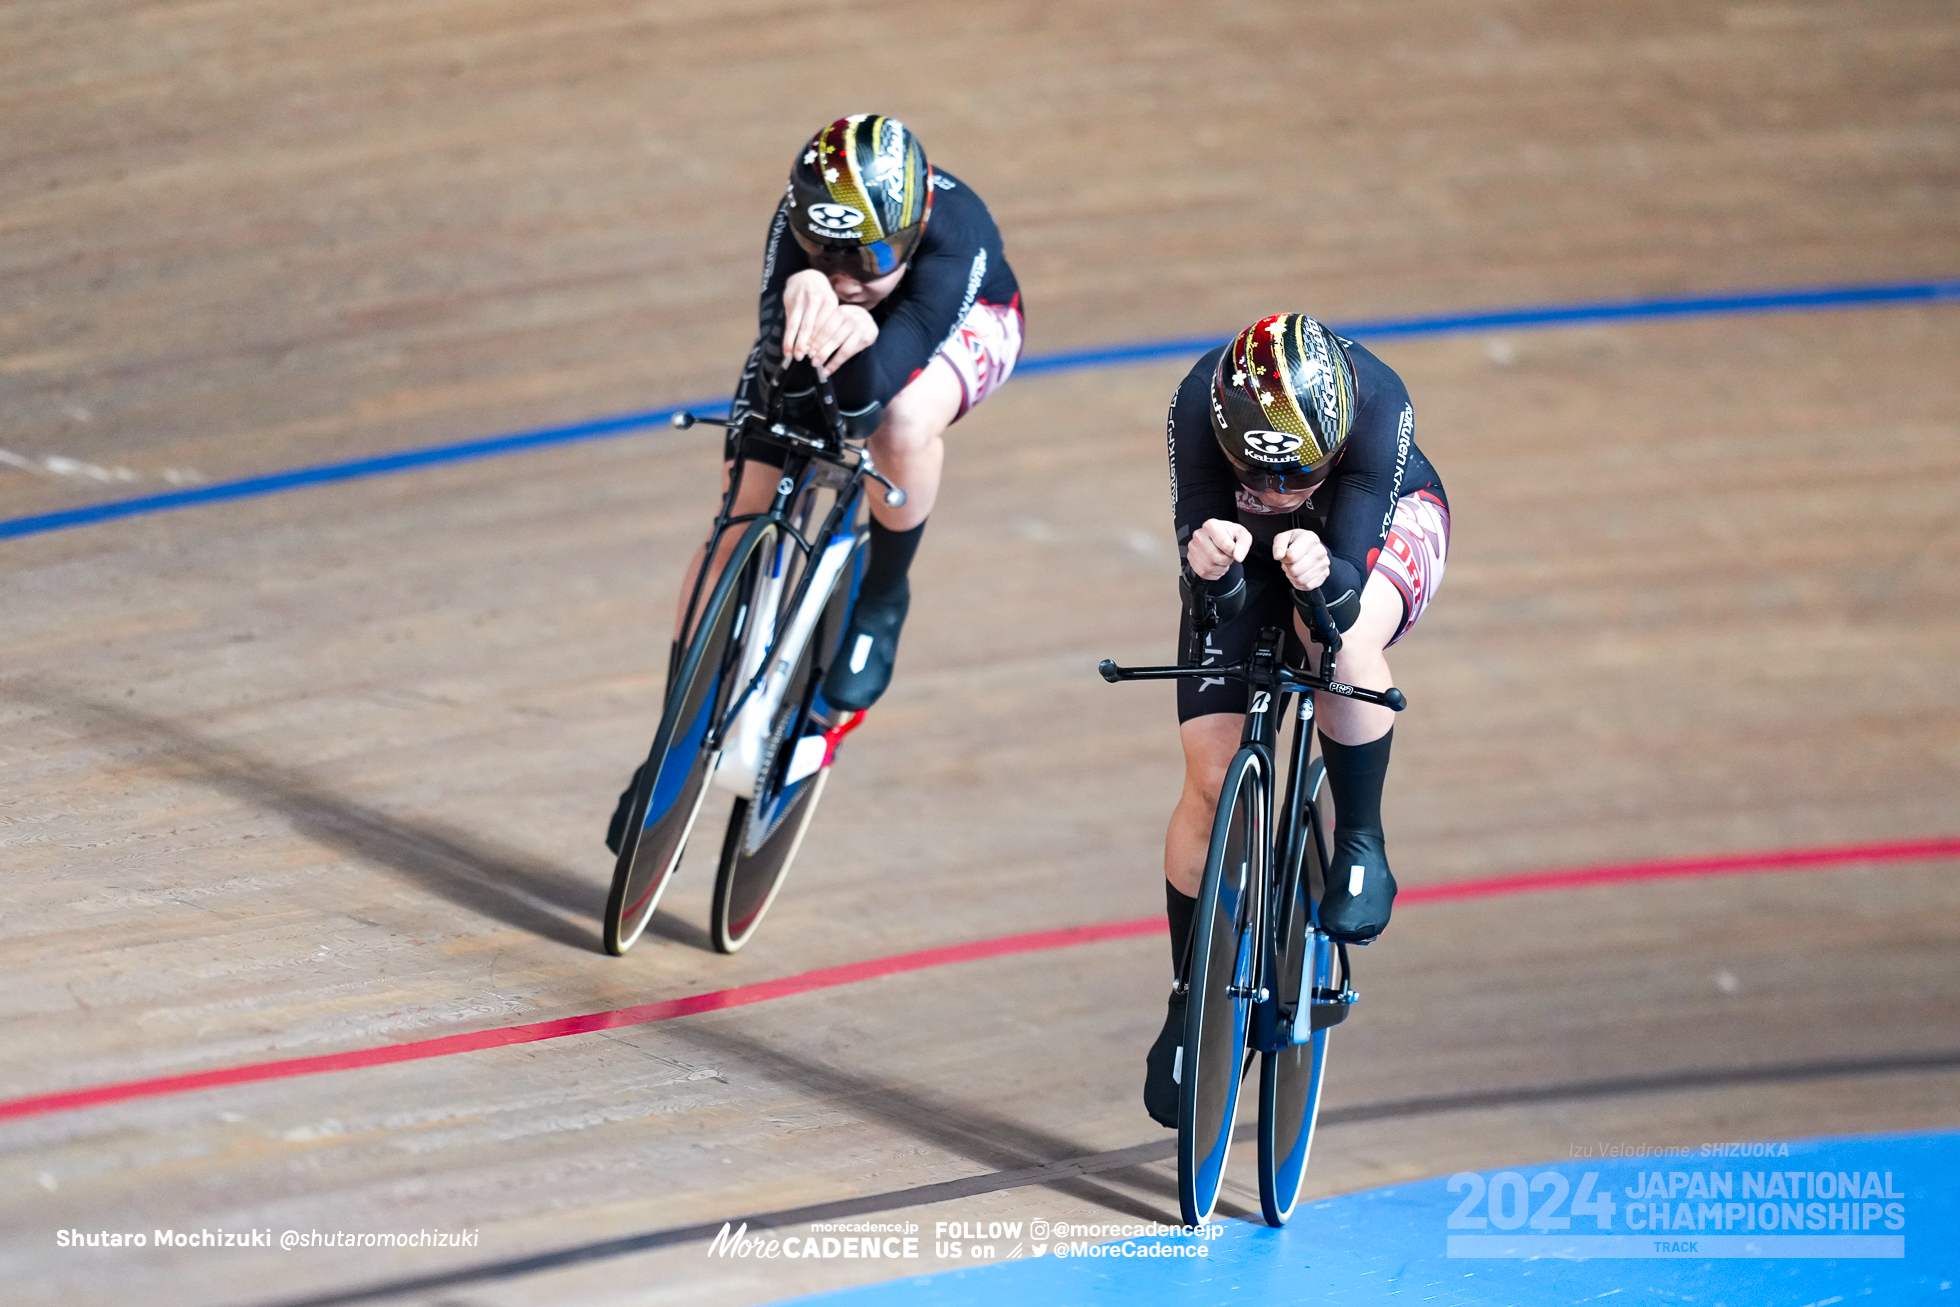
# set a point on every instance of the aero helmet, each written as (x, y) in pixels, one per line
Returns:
(859, 195)
(1282, 397)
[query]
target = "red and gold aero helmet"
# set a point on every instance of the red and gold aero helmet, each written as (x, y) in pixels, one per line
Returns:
(859, 195)
(1282, 399)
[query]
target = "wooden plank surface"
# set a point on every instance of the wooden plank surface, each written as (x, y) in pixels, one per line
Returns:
(327, 770)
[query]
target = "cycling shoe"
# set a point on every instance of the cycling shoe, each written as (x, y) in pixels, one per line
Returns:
(1360, 889)
(1162, 1067)
(865, 655)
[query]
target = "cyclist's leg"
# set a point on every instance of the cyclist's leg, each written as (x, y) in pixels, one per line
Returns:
(1355, 738)
(758, 489)
(1363, 661)
(1209, 743)
(1211, 718)
(909, 447)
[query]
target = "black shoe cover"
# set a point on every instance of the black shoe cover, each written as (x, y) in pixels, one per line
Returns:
(1160, 1088)
(865, 655)
(1360, 889)
(616, 828)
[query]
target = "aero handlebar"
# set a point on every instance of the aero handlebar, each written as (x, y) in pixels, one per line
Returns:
(782, 432)
(1279, 677)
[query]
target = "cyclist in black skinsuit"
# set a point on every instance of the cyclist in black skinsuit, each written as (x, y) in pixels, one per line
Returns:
(888, 275)
(1294, 466)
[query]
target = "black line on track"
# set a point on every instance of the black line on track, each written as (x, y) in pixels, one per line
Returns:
(1158, 1150)
(963, 1129)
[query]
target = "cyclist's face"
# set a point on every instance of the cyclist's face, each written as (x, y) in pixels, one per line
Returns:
(851, 290)
(1278, 497)
(1280, 501)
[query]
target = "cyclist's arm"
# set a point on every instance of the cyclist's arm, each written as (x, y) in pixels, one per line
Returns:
(928, 304)
(1211, 542)
(781, 258)
(959, 262)
(1372, 474)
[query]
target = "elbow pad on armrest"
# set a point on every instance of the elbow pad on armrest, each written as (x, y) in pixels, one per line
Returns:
(1228, 594)
(1345, 610)
(860, 423)
(1226, 597)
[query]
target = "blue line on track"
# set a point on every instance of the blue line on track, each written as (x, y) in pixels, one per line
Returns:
(1395, 1245)
(1550, 315)
(1555, 315)
(380, 465)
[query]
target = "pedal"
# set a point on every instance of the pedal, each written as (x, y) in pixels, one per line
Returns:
(812, 752)
(1331, 1006)
(816, 752)
(835, 735)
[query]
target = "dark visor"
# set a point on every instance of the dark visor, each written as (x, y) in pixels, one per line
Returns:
(1283, 482)
(865, 262)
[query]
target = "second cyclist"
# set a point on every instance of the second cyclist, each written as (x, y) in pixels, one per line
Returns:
(1293, 466)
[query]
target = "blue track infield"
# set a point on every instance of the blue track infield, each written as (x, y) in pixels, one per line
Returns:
(1892, 295)
(1395, 1245)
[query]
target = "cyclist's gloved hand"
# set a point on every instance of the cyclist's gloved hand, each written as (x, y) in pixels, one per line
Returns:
(1215, 547)
(1302, 557)
(1213, 581)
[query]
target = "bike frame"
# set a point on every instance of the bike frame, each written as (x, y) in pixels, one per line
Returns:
(774, 629)
(1281, 1020)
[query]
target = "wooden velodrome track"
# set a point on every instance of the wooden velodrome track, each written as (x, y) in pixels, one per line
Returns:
(327, 770)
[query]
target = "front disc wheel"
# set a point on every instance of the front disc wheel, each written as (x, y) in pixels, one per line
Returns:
(670, 785)
(1220, 1004)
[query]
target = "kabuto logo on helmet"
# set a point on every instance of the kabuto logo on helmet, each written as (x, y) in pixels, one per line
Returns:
(834, 219)
(1272, 446)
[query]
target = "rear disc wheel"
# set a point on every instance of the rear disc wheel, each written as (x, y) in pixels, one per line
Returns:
(765, 833)
(1290, 1079)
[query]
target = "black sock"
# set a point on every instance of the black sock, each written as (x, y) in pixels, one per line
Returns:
(1180, 908)
(891, 558)
(1356, 772)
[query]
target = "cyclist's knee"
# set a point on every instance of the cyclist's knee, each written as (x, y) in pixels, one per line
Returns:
(1364, 643)
(1209, 743)
(1381, 616)
(758, 485)
(919, 414)
(902, 435)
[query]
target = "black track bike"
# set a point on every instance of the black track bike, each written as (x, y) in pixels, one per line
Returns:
(1260, 976)
(744, 704)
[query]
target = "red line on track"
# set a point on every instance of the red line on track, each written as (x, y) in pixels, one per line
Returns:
(1733, 864)
(850, 973)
